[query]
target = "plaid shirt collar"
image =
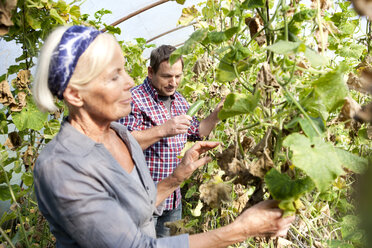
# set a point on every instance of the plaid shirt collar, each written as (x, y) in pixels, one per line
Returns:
(149, 88)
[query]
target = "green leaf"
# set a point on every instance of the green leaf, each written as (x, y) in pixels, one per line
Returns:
(282, 187)
(5, 193)
(34, 22)
(180, 1)
(309, 129)
(331, 88)
(198, 36)
(53, 13)
(75, 11)
(237, 104)
(304, 15)
(316, 158)
(30, 117)
(219, 37)
(252, 4)
(351, 50)
(315, 58)
(351, 161)
(191, 191)
(27, 178)
(284, 47)
(197, 211)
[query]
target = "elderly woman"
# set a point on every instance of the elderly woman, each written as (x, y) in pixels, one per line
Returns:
(91, 180)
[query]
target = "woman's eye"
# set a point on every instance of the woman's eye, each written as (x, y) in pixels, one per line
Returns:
(115, 78)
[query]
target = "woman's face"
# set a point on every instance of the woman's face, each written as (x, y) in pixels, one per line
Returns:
(107, 97)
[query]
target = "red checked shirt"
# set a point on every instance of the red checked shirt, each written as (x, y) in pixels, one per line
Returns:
(148, 111)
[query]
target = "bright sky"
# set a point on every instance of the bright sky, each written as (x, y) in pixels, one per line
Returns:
(146, 25)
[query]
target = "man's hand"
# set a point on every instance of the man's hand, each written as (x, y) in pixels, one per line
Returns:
(191, 160)
(264, 219)
(177, 125)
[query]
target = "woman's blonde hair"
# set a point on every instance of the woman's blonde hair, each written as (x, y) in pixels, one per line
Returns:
(90, 64)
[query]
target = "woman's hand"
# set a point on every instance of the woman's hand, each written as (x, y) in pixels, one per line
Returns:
(264, 219)
(191, 161)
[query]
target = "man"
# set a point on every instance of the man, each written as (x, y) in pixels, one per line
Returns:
(159, 123)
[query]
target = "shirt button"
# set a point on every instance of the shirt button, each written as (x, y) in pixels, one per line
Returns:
(151, 201)
(147, 188)
(150, 219)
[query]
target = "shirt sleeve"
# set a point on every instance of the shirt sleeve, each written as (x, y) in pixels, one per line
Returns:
(87, 212)
(193, 132)
(134, 120)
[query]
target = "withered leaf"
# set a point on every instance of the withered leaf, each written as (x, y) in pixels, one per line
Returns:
(215, 193)
(28, 156)
(363, 7)
(350, 109)
(6, 96)
(262, 165)
(361, 84)
(14, 140)
(23, 79)
(365, 114)
(324, 4)
(6, 8)
(266, 79)
(255, 24)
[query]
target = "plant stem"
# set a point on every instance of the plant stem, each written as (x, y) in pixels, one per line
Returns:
(17, 207)
(6, 237)
(320, 25)
(298, 105)
(240, 80)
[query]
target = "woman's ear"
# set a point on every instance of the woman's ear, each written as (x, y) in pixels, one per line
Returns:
(73, 96)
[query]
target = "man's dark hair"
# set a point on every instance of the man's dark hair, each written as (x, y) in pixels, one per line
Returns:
(161, 54)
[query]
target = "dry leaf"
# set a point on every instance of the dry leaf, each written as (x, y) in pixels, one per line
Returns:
(255, 24)
(6, 96)
(363, 7)
(369, 132)
(266, 79)
(318, 38)
(13, 141)
(261, 166)
(349, 110)
(6, 8)
(214, 193)
(365, 114)
(360, 84)
(281, 243)
(179, 227)
(202, 65)
(324, 4)
(28, 157)
(23, 80)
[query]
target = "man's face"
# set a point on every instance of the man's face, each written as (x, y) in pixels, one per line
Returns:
(167, 78)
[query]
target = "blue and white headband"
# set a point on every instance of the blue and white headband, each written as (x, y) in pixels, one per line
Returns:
(75, 40)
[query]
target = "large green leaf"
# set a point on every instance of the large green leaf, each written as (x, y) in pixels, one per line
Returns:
(316, 158)
(315, 58)
(284, 47)
(304, 15)
(282, 187)
(351, 161)
(53, 13)
(198, 36)
(351, 50)
(237, 104)
(331, 88)
(252, 4)
(219, 37)
(29, 118)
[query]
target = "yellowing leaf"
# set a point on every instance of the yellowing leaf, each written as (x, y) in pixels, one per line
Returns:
(188, 15)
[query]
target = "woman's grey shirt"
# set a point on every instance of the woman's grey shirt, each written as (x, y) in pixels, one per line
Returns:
(90, 200)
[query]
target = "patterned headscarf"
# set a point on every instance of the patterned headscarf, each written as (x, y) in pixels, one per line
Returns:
(74, 42)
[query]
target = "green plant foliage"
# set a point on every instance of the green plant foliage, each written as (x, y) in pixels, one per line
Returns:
(282, 187)
(237, 104)
(316, 158)
(30, 117)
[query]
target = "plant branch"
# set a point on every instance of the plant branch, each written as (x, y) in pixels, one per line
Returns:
(137, 12)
